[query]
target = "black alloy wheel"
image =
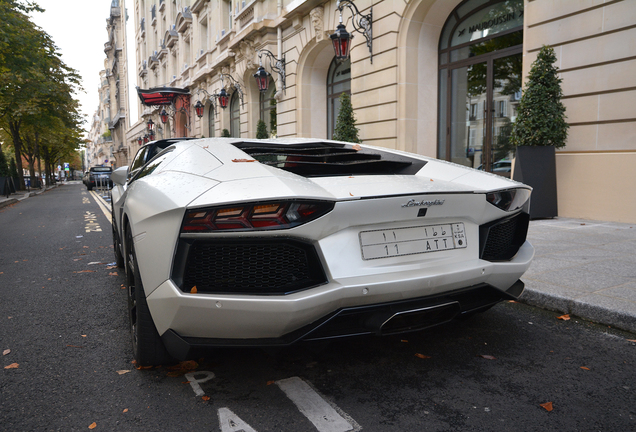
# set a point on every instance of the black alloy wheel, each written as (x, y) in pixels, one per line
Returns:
(148, 348)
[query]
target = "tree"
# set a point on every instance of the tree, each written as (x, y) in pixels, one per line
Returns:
(273, 122)
(346, 129)
(540, 113)
(261, 130)
(36, 86)
(4, 168)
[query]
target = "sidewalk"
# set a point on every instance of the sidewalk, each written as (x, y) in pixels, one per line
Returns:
(21, 195)
(584, 268)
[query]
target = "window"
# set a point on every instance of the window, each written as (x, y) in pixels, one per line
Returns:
(267, 105)
(211, 121)
(338, 82)
(235, 115)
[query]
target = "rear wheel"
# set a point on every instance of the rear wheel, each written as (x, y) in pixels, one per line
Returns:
(148, 349)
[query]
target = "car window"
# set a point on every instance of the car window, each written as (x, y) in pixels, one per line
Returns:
(139, 159)
(101, 169)
(151, 166)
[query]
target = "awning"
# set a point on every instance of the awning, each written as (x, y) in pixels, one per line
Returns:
(160, 95)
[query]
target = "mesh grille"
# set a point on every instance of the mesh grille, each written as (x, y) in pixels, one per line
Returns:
(252, 268)
(502, 240)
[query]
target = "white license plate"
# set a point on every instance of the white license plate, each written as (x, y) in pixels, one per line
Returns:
(412, 240)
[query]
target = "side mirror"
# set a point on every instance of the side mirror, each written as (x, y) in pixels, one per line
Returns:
(120, 175)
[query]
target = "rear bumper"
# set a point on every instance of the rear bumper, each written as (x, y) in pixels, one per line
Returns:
(379, 319)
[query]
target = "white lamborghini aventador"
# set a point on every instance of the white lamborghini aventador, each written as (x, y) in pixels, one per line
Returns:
(234, 242)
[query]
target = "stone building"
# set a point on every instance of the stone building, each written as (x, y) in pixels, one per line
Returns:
(439, 77)
(114, 98)
(99, 148)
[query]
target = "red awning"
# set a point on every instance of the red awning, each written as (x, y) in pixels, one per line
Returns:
(160, 95)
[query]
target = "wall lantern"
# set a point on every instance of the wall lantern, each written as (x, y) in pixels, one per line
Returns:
(198, 108)
(140, 140)
(223, 98)
(341, 39)
(262, 76)
(151, 127)
(164, 116)
(145, 139)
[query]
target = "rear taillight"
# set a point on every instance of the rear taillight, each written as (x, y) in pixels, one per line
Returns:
(255, 216)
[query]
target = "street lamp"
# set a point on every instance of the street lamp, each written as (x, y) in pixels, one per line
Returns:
(163, 116)
(198, 108)
(262, 76)
(223, 98)
(341, 39)
(140, 140)
(151, 126)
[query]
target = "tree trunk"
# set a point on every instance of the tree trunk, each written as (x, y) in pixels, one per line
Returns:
(14, 127)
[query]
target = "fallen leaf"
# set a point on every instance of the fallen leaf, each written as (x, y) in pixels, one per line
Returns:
(185, 382)
(194, 290)
(585, 368)
(5, 352)
(631, 340)
(205, 147)
(126, 410)
(143, 367)
(85, 247)
(404, 341)
(565, 317)
(422, 356)
(350, 194)
(357, 147)
(205, 398)
(487, 357)
(271, 382)
(123, 371)
(110, 267)
(12, 366)
(95, 262)
(243, 160)
(113, 274)
(547, 406)
(93, 425)
(512, 301)
(85, 271)
(83, 335)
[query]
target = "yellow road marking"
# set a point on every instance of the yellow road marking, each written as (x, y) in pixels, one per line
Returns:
(102, 205)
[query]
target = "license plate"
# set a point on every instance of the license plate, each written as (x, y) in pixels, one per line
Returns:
(412, 240)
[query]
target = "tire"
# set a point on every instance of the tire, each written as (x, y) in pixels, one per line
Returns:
(119, 259)
(89, 187)
(148, 348)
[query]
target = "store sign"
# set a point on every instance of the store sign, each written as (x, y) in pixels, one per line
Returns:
(495, 21)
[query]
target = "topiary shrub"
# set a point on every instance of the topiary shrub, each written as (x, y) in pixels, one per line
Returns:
(346, 129)
(540, 114)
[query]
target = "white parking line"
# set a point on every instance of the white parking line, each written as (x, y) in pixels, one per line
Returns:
(102, 205)
(314, 407)
(230, 422)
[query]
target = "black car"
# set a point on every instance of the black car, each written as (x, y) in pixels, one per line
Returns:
(98, 177)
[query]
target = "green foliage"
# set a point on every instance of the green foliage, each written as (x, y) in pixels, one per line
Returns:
(107, 134)
(346, 129)
(261, 130)
(541, 114)
(4, 168)
(273, 122)
(225, 133)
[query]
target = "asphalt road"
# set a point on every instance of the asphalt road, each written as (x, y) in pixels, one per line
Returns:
(64, 321)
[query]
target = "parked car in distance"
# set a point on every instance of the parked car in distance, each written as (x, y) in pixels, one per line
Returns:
(98, 176)
(239, 242)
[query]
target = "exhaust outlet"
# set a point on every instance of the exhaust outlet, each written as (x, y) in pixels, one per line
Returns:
(419, 319)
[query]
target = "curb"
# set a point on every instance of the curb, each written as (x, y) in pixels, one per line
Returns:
(10, 201)
(595, 312)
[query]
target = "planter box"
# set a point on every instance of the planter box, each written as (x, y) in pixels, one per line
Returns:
(536, 167)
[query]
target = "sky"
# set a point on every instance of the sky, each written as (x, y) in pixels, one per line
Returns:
(78, 28)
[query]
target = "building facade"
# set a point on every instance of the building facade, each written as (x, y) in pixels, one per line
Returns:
(440, 78)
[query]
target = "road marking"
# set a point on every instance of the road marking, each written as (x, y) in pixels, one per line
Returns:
(102, 205)
(230, 422)
(85, 200)
(314, 407)
(194, 383)
(91, 222)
